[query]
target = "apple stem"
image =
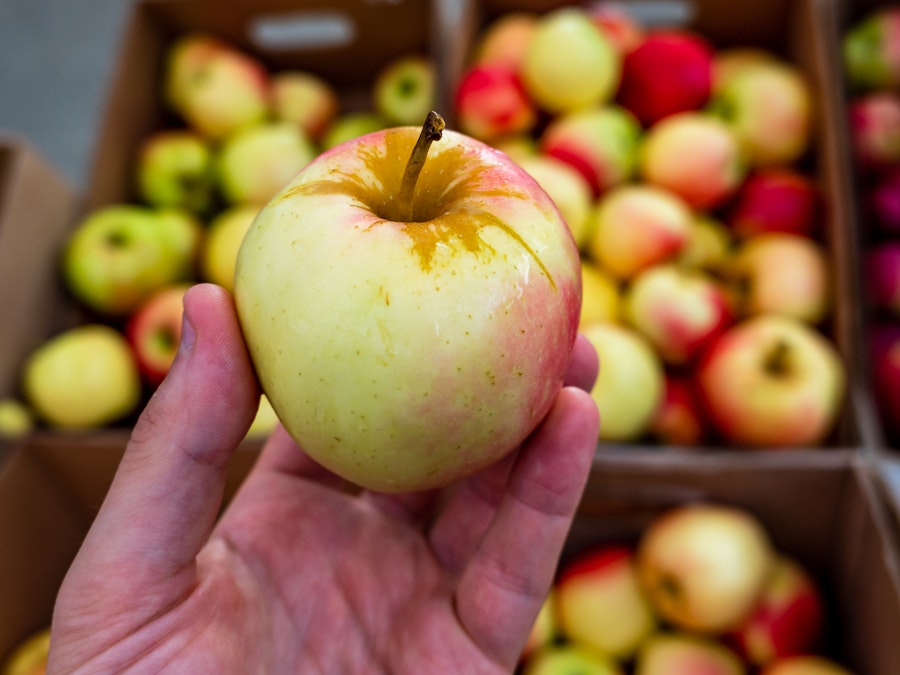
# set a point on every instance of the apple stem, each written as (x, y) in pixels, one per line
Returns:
(777, 359)
(431, 131)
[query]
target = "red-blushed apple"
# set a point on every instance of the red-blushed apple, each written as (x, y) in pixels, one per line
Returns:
(600, 604)
(679, 420)
(618, 24)
(709, 247)
(808, 664)
(352, 125)
(788, 619)
(567, 188)
(704, 566)
(882, 277)
(883, 202)
(600, 295)
(175, 169)
(696, 156)
(491, 102)
(884, 369)
(871, 50)
(154, 332)
(410, 307)
(569, 63)
(16, 418)
(874, 120)
(569, 659)
(680, 311)
(505, 40)
(599, 141)
(727, 62)
(544, 630)
(684, 654)
(669, 72)
(305, 99)
(405, 89)
(226, 231)
(772, 382)
(30, 656)
(785, 274)
(778, 199)
(215, 87)
(637, 226)
(629, 388)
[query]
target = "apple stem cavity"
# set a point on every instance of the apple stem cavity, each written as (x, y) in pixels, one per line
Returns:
(777, 359)
(431, 131)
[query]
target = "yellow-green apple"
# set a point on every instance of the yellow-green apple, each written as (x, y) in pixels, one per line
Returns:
(81, 378)
(29, 657)
(808, 664)
(709, 247)
(884, 369)
(685, 654)
(175, 169)
(569, 63)
(600, 295)
(305, 99)
(599, 141)
(544, 629)
(567, 188)
(505, 40)
(788, 618)
(696, 156)
(636, 226)
(727, 62)
(223, 241)
(882, 277)
(491, 102)
(410, 307)
(255, 163)
(769, 105)
(871, 50)
(215, 87)
(352, 125)
(154, 332)
(679, 420)
(629, 388)
(117, 255)
(405, 90)
(874, 120)
(619, 25)
(16, 418)
(787, 274)
(183, 232)
(777, 199)
(517, 146)
(704, 566)
(669, 72)
(601, 605)
(772, 381)
(569, 659)
(680, 311)
(265, 420)
(882, 200)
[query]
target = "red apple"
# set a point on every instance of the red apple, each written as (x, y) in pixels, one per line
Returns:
(778, 199)
(491, 102)
(884, 202)
(679, 420)
(884, 367)
(805, 665)
(154, 332)
(505, 40)
(875, 129)
(882, 276)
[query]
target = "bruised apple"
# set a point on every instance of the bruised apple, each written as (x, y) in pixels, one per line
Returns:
(410, 307)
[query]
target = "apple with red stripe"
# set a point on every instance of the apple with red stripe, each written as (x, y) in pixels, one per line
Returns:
(154, 332)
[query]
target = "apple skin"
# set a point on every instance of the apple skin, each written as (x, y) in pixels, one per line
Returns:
(568, 659)
(710, 246)
(805, 665)
(223, 241)
(265, 420)
(629, 388)
(175, 169)
(16, 419)
(405, 89)
(679, 420)
(870, 50)
(788, 619)
(601, 605)
(728, 62)
(84, 377)
(772, 382)
(304, 99)
(491, 102)
(637, 226)
(352, 125)
(882, 277)
(505, 40)
(567, 188)
(883, 201)
(874, 120)
(154, 332)
(683, 654)
(215, 87)
(569, 63)
(622, 30)
(696, 156)
(778, 199)
(401, 350)
(703, 566)
(29, 657)
(669, 72)
(544, 630)
(599, 141)
(600, 295)
(884, 368)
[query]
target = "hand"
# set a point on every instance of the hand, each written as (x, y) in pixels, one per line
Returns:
(298, 575)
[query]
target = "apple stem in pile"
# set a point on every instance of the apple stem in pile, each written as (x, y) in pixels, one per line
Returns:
(777, 359)
(431, 131)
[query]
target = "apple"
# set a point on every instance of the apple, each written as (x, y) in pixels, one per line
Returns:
(215, 87)
(517, 146)
(709, 246)
(696, 156)
(223, 241)
(884, 203)
(601, 605)
(305, 99)
(265, 420)
(629, 388)
(600, 295)
(83, 377)
(788, 619)
(569, 63)
(409, 326)
(175, 169)
(505, 40)
(29, 657)
(568, 189)
(768, 104)
(884, 370)
(544, 629)
(808, 664)
(405, 90)
(491, 102)
(728, 62)
(882, 276)
(637, 226)
(183, 233)
(784, 274)
(599, 141)
(875, 130)
(680, 311)
(704, 566)
(777, 199)
(568, 659)
(679, 420)
(620, 27)
(870, 51)
(683, 654)
(669, 72)
(16, 419)
(772, 382)
(154, 332)
(352, 125)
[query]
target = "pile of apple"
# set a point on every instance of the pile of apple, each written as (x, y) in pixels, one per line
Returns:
(238, 133)
(683, 172)
(702, 590)
(872, 69)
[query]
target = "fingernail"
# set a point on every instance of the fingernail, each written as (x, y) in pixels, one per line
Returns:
(188, 334)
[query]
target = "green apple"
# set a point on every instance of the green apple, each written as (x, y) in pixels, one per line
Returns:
(223, 241)
(405, 90)
(84, 377)
(184, 234)
(16, 419)
(175, 169)
(265, 420)
(569, 659)
(410, 308)
(352, 125)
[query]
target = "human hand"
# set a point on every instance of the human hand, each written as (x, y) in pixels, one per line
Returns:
(298, 574)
